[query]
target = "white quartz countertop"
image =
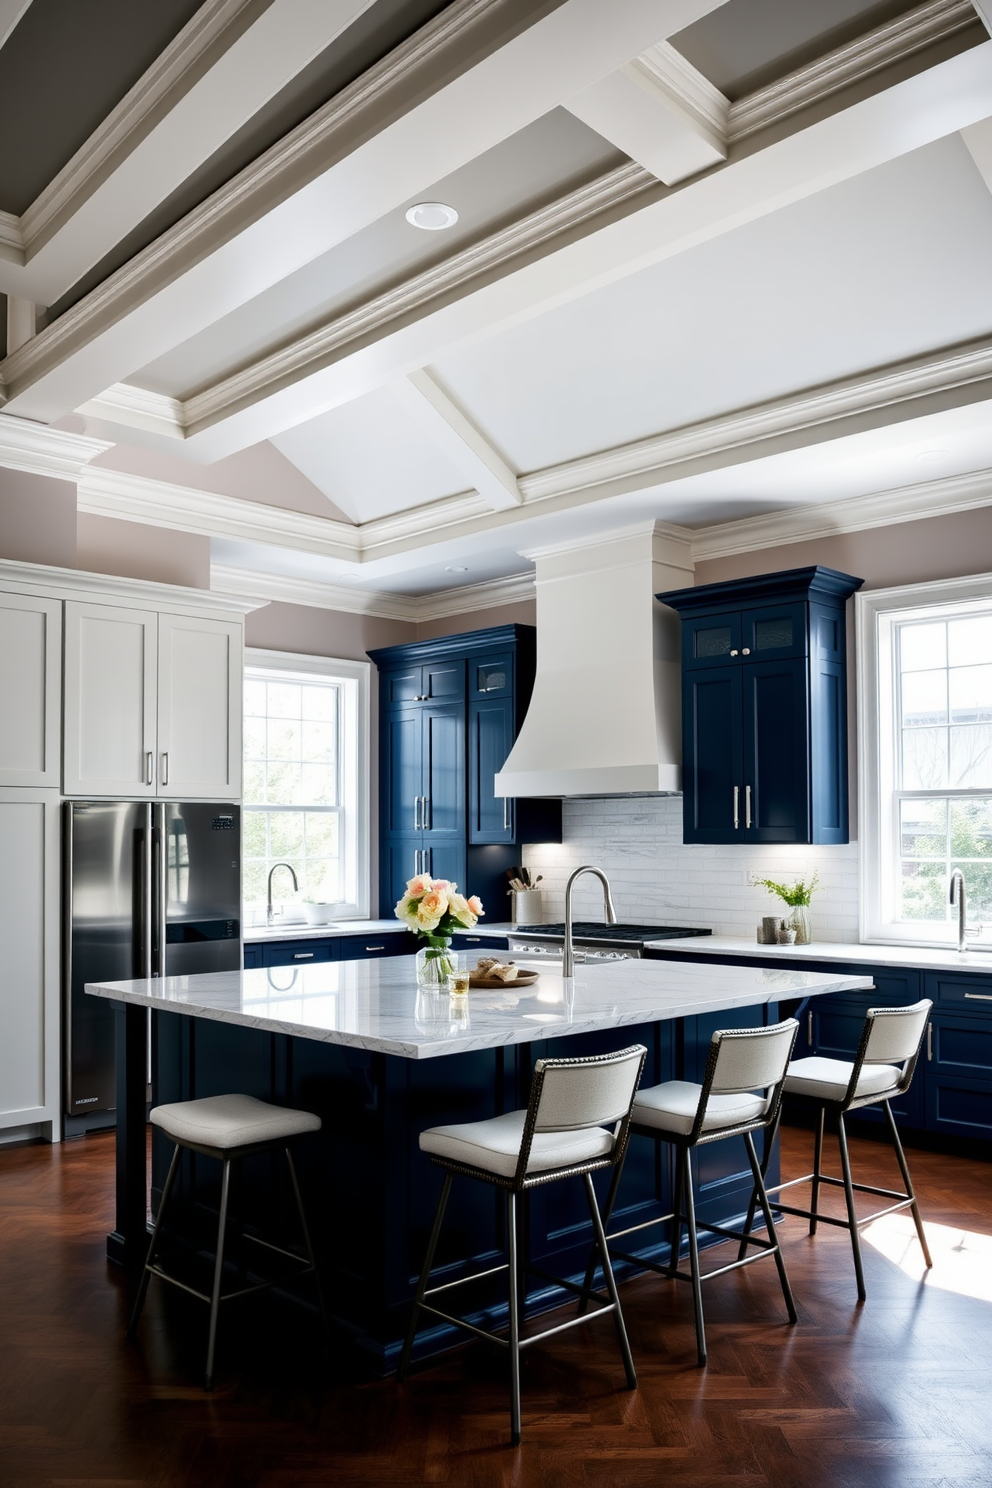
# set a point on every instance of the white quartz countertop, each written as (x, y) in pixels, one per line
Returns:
(292, 930)
(928, 959)
(376, 1005)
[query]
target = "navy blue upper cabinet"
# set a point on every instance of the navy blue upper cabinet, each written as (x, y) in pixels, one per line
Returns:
(764, 707)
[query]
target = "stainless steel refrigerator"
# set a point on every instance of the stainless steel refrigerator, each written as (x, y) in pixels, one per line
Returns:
(152, 888)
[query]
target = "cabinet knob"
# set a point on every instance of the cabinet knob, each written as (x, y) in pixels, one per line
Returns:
(733, 653)
(746, 651)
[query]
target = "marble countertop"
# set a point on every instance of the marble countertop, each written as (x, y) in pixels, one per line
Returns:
(929, 958)
(376, 1005)
(292, 930)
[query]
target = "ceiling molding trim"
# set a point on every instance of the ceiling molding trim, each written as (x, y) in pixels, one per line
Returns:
(856, 396)
(489, 594)
(706, 108)
(319, 347)
(11, 238)
(39, 450)
(454, 433)
(915, 503)
(877, 49)
(138, 408)
(421, 522)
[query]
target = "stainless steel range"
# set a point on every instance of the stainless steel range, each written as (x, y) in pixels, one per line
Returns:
(593, 940)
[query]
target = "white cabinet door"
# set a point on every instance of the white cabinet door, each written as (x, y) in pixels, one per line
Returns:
(110, 692)
(30, 690)
(199, 707)
(29, 935)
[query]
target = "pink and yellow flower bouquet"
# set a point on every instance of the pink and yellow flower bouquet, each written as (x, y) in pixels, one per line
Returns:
(435, 911)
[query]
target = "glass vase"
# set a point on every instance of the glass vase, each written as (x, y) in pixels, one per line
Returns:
(801, 921)
(434, 965)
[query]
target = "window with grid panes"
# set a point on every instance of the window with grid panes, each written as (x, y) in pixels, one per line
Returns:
(305, 784)
(932, 807)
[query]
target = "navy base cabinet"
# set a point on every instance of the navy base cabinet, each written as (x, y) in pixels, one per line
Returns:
(764, 708)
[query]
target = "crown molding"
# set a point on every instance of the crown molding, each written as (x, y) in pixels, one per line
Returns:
(467, 598)
(11, 238)
(854, 514)
(707, 109)
(882, 47)
(39, 450)
(138, 408)
(28, 578)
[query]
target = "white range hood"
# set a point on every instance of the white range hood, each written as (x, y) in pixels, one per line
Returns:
(605, 715)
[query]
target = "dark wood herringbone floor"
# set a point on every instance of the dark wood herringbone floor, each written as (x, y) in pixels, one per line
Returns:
(896, 1394)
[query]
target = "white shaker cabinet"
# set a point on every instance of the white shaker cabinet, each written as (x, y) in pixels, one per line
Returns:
(199, 707)
(111, 672)
(30, 690)
(29, 986)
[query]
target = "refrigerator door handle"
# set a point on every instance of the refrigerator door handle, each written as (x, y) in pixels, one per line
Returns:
(147, 901)
(162, 889)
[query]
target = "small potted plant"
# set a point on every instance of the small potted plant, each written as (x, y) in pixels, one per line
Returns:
(434, 910)
(798, 896)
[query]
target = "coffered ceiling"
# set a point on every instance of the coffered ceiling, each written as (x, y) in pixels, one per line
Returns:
(711, 263)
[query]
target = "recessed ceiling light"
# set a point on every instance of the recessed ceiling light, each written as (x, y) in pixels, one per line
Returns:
(456, 568)
(431, 216)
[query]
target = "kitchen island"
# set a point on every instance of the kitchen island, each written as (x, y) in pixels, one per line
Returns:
(379, 1062)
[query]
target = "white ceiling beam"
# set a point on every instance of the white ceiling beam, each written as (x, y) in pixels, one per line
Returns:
(433, 105)
(226, 63)
(984, 8)
(11, 12)
(455, 434)
(978, 141)
(661, 112)
(278, 393)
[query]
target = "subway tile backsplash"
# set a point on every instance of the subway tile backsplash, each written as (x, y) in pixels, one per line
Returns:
(637, 841)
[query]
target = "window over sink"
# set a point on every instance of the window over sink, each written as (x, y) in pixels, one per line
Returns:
(306, 782)
(925, 737)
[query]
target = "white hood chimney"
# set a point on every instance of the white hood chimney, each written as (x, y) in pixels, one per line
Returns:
(605, 716)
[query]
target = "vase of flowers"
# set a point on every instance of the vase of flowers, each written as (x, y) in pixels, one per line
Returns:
(798, 896)
(434, 910)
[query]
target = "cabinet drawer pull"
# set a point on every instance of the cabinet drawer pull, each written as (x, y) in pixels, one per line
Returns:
(165, 767)
(303, 955)
(929, 1042)
(149, 766)
(809, 1028)
(979, 996)
(506, 813)
(473, 939)
(375, 948)
(737, 797)
(747, 805)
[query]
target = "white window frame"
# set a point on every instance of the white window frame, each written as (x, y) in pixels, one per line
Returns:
(876, 613)
(355, 757)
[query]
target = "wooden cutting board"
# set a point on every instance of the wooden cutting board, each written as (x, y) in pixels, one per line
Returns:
(522, 979)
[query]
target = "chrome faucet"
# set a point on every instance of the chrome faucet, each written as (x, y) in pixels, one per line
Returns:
(296, 888)
(568, 958)
(957, 880)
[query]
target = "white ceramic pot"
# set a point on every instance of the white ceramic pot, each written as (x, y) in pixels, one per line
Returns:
(318, 914)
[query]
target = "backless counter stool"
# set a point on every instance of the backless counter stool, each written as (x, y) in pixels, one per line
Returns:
(741, 1094)
(881, 1070)
(562, 1134)
(229, 1128)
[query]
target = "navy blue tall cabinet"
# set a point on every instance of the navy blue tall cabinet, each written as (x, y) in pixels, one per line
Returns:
(764, 707)
(449, 711)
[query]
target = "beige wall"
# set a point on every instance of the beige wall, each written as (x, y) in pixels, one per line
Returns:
(37, 519)
(313, 632)
(133, 550)
(522, 613)
(904, 553)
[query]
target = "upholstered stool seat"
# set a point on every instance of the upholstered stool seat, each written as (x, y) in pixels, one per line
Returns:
(739, 1095)
(229, 1128)
(576, 1123)
(881, 1070)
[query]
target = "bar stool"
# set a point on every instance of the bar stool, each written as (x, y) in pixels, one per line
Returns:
(882, 1069)
(229, 1128)
(741, 1062)
(561, 1134)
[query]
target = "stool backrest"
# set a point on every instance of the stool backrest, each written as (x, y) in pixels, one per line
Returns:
(574, 1094)
(891, 1036)
(742, 1059)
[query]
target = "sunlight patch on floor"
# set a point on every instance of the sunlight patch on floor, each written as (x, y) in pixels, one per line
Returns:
(962, 1259)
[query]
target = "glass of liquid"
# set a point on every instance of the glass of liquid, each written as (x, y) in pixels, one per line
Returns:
(458, 976)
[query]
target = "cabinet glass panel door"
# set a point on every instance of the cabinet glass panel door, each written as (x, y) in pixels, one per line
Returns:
(490, 734)
(773, 632)
(710, 640)
(776, 709)
(712, 769)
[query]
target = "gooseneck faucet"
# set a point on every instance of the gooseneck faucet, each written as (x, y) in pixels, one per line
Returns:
(568, 957)
(957, 881)
(296, 887)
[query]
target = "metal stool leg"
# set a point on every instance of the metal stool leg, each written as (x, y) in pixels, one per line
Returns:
(308, 1243)
(766, 1157)
(442, 1204)
(676, 1236)
(697, 1289)
(225, 1188)
(611, 1285)
(607, 1215)
(908, 1184)
(759, 1187)
(852, 1218)
(817, 1169)
(514, 1305)
(146, 1274)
